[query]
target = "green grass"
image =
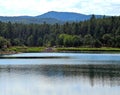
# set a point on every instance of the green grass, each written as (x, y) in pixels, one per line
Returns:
(88, 49)
(26, 49)
(69, 49)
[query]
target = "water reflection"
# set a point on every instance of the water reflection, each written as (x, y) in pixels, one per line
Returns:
(60, 79)
(60, 74)
(96, 74)
(108, 74)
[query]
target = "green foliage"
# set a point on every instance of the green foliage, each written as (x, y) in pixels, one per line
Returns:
(39, 42)
(91, 33)
(77, 41)
(30, 41)
(118, 41)
(107, 39)
(61, 39)
(4, 43)
(16, 42)
(69, 40)
(88, 40)
(97, 43)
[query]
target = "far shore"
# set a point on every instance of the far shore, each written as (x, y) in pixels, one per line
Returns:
(19, 49)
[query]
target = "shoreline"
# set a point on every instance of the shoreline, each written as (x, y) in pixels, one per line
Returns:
(15, 50)
(8, 52)
(103, 49)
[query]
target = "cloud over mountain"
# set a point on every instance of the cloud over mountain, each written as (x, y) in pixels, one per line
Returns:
(34, 7)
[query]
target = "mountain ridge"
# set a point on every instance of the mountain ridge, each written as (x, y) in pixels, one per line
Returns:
(50, 17)
(67, 16)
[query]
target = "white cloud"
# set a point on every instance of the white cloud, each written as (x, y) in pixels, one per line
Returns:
(36, 7)
(101, 7)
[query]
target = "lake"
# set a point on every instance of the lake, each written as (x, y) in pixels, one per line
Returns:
(60, 74)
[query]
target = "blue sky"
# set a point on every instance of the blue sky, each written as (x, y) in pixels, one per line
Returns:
(37, 7)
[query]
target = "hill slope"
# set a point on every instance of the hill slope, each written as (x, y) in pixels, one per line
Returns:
(29, 20)
(67, 16)
(51, 17)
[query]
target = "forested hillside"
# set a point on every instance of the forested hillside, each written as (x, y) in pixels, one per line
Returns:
(104, 32)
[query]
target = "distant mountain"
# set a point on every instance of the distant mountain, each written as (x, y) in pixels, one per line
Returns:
(51, 17)
(67, 16)
(28, 20)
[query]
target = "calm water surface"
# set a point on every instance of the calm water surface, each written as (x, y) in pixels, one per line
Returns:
(68, 74)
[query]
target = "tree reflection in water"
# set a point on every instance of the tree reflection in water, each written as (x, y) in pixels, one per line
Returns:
(108, 74)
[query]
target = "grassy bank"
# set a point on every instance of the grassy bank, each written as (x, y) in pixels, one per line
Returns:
(26, 49)
(89, 49)
(18, 49)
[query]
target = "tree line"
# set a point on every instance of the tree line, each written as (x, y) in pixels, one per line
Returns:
(102, 32)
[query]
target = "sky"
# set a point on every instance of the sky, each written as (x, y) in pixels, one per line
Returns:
(38, 7)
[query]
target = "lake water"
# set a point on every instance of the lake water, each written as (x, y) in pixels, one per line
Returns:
(60, 74)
